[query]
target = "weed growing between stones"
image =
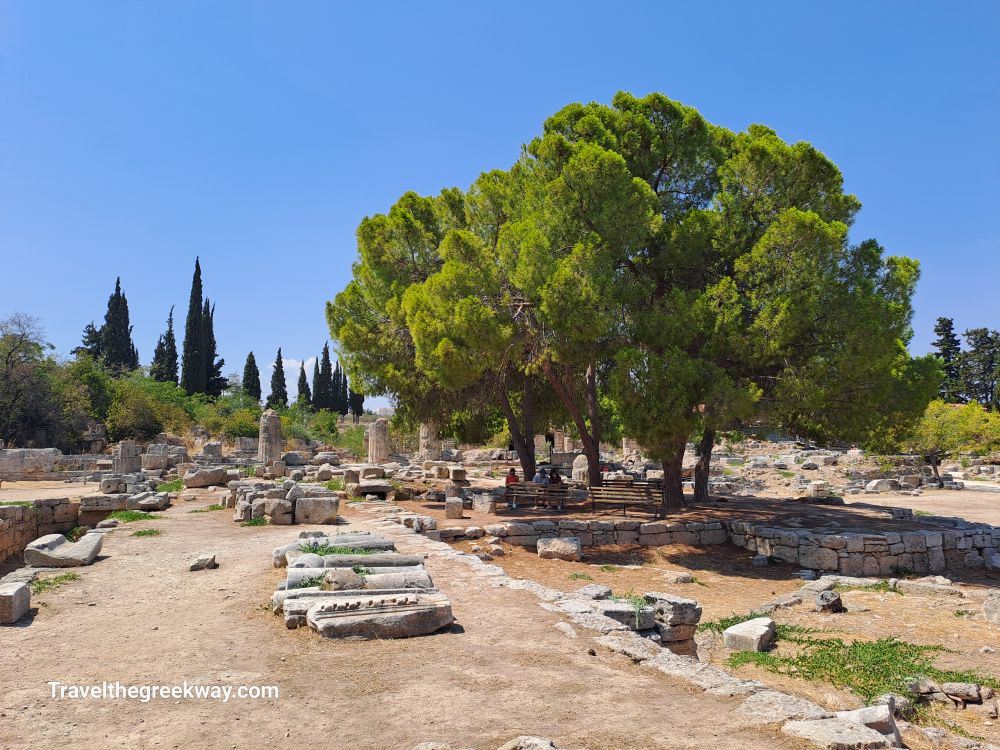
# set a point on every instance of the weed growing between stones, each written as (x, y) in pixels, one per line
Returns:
(328, 549)
(147, 533)
(174, 486)
(784, 632)
(579, 577)
(868, 669)
(306, 583)
(128, 516)
(41, 585)
(76, 533)
(215, 506)
(255, 522)
(882, 586)
(336, 484)
(19, 503)
(361, 570)
(637, 602)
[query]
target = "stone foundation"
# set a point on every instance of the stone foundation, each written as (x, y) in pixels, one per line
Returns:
(22, 524)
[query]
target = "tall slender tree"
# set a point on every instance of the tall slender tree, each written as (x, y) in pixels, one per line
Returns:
(251, 377)
(215, 382)
(116, 334)
(279, 389)
(304, 396)
(193, 368)
(343, 394)
(324, 398)
(164, 365)
(949, 351)
(315, 383)
(91, 342)
(979, 367)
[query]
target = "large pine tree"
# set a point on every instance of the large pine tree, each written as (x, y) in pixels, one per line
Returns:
(164, 366)
(324, 398)
(279, 389)
(193, 368)
(304, 396)
(979, 367)
(116, 345)
(91, 342)
(251, 378)
(215, 382)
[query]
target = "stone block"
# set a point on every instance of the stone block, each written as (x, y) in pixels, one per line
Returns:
(55, 551)
(15, 601)
(753, 635)
(559, 548)
(318, 510)
(453, 507)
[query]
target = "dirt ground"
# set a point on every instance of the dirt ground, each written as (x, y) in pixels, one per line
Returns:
(138, 616)
(19, 491)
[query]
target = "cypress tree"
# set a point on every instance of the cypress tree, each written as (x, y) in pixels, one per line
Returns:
(304, 396)
(279, 389)
(324, 399)
(215, 382)
(315, 383)
(335, 389)
(193, 369)
(251, 378)
(164, 366)
(116, 334)
(344, 391)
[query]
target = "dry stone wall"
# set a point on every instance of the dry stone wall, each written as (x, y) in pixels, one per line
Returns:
(22, 524)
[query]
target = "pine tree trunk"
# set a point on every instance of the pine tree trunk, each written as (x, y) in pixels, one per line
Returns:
(524, 441)
(673, 479)
(591, 448)
(701, 469)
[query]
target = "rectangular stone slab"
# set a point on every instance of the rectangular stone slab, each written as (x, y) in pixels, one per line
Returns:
(380, 615)
(370, 561)
(15, 601)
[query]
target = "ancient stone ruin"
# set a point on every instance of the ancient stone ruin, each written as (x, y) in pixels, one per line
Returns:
(356, 586)
(378, 441)
(269, 440)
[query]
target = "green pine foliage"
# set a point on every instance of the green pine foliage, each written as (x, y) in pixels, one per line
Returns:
(112, 342)
(304, 396)
(215, 382)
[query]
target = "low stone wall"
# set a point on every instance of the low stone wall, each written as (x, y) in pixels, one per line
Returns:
(967, 546)
(876, 554)
(22, 524)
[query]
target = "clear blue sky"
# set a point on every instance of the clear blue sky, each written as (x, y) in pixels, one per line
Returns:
(135, 136)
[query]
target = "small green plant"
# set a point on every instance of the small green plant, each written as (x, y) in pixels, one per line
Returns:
(325, 548)
(361, 570)
(147, 532)
(964, 612)
(248, 471)
(306, 583)
(255, 522)
(922, 513)
(637, 602)
(698, 582)
(579, 577)
(209, 508)
(128, 516)
(786, 474)
(883, 587)
(866, 668)
(41, 585)
(175, 485)
(75, 534)
(717, 626)
(336, 484)
(610, 568)
(19, 503)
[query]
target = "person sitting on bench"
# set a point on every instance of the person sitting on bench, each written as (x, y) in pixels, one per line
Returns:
(554, 477)
(511, 478)
(540, 477)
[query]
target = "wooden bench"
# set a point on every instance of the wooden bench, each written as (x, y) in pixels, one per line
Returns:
(546, 494)
(648, 498)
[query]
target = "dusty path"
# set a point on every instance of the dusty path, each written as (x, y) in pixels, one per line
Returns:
(978, 507)
(140, 617)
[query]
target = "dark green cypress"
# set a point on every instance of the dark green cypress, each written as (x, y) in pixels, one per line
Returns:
(164, 366)
(335, 389)
(279, 389)
(324, 399)
(305, 395)
(356, 402)
(315, 383)
(193, 368)
(949, 349)
(251, 378)
(116, 333)
(344, 391)
(215, 382)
